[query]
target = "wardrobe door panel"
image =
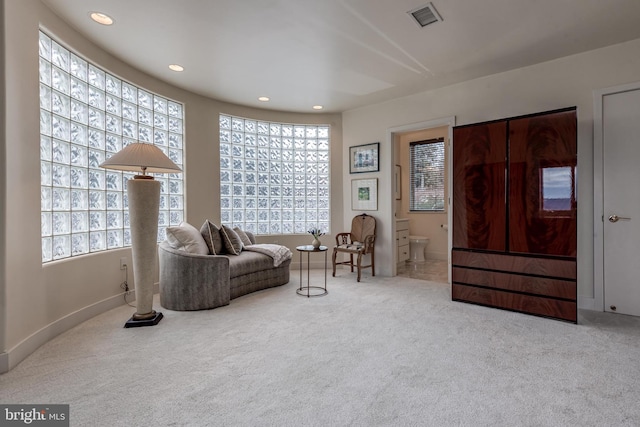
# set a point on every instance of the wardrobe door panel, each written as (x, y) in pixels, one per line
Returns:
(542, 178)
(479, 206)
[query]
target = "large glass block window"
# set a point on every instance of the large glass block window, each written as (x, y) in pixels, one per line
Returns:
(274, 177)
(427, 175)
(87, 115)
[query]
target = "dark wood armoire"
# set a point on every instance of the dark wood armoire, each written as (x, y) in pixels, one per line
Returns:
(515, 212)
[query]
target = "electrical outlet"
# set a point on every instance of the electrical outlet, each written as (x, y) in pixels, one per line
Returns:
(123, 263)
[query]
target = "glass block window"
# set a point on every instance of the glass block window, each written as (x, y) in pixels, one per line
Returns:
(87, 115)
(274, 177)
(427, 175)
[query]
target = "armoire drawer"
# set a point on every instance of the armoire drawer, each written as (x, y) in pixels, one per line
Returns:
(537, 305)
(545, 286)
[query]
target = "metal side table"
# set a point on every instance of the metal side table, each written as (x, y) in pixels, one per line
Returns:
(312, 291)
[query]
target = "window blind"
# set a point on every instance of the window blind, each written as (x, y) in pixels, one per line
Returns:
(427, 175)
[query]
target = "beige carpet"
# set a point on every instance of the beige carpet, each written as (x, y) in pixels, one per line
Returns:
(386, 351)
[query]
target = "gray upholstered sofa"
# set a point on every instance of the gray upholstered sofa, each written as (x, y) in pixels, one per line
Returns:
(191, 281)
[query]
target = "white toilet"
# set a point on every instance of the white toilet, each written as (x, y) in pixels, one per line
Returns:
(417, 246)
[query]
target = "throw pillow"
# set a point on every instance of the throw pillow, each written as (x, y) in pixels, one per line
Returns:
(232, 242)
(187, 238)
(211, 235)
(246, 241)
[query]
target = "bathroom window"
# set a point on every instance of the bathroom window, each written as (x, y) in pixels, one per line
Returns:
(427, 175)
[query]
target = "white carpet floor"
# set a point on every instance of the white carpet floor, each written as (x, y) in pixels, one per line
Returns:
(382, 352)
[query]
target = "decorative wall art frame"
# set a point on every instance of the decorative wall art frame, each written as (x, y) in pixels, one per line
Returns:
(397, 176)
(364, 194)
(364, 158)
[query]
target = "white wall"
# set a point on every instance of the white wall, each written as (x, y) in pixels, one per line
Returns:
(556, 84)
(42, 301)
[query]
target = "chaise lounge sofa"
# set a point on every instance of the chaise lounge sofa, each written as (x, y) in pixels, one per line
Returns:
(191, 279)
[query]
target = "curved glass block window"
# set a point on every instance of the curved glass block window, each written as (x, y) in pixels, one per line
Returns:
(87, 115)
(274, 177)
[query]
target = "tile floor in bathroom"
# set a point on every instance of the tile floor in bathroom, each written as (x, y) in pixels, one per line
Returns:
(431, 269)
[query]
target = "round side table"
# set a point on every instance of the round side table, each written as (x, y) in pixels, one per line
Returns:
(308, 290)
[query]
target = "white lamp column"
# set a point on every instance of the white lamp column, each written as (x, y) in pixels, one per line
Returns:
(144, 204)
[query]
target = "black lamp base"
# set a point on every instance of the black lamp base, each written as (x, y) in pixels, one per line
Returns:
(132, 323)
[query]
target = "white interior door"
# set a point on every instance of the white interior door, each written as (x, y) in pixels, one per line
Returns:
(621, 201)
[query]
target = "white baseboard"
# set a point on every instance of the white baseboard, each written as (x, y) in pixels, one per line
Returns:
(586, 303)
(4, 362)
(22, 350)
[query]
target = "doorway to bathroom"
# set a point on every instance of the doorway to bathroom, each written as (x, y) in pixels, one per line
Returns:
(427, 230)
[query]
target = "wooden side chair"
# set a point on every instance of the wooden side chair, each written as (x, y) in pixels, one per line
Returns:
(360, 241)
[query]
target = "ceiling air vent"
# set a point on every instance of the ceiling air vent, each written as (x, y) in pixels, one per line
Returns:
(425, 15)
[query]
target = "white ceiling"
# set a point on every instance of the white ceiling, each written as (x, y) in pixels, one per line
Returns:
(342, 54)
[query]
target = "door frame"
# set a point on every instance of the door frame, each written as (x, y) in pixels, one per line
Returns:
(598, 192)
(391, 133)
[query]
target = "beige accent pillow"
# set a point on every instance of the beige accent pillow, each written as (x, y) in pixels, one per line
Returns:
(211, 234)
(187, 238)
(246, 241)
(231, 240)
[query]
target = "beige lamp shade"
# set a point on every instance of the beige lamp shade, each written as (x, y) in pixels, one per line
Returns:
(140, 157)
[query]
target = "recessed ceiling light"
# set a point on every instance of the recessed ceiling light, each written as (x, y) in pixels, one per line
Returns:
(317, 107)
(263, 98)
(101, 18)
(176, 67)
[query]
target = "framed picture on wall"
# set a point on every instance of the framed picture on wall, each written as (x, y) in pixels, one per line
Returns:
(364, 194)
(364, 158)
(397, 183)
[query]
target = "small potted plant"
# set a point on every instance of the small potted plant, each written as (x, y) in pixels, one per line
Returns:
(316, 233)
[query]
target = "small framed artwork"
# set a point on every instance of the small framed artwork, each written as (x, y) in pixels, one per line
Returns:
(364, 158)
(397, 182)
(364, 194)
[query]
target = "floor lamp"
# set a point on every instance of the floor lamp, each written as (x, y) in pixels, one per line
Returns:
(144, 202)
